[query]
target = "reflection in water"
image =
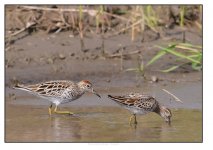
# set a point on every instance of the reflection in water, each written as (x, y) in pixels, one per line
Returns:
(99, 124)
(65, 127)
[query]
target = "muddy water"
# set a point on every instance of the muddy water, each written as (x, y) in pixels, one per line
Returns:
(100, 124)
(100, 120)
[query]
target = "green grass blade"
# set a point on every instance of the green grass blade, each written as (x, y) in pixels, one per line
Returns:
(182, 13)
(196, 66)
(189, 48)
(170, 69)
(159, 55)
(171, 51)
(80, 12)
(190, 45)
(156, 57)
(198, 57)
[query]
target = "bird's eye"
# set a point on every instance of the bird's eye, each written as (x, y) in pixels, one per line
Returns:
(88, 85)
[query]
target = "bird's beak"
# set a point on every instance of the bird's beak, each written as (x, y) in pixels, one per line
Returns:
(169, 121)
(94, 92)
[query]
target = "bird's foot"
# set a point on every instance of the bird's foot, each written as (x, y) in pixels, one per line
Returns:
(64, 112)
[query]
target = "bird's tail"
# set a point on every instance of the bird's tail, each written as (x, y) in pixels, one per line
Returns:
(116, 98)
(21, 87)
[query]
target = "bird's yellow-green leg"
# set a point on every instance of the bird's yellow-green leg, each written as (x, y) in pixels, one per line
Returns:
(50, 110)
(135, 119)
(130, 119)
(62, 112)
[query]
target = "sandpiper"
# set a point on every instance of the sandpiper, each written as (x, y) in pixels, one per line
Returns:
(142, 104)
(59, 92)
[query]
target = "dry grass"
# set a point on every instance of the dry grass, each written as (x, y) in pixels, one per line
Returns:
(100, 18)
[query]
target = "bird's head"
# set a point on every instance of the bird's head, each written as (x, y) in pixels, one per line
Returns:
(165, 113)
(87, 87)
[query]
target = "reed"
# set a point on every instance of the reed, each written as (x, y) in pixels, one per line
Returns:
(182, 13)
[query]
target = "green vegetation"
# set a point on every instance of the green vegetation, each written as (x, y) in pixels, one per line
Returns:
(140, 69)
(186, 53)
(141, 17)
(182, 13)
(151, 18)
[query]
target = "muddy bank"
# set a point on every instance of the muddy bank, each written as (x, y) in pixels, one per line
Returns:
(57, 56)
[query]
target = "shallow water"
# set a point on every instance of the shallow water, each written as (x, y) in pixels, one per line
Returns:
(101, 120)
(100, 124)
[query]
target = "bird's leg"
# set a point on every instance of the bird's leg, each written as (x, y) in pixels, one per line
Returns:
(50, 109)
(130, 119)
(135, 119)
(62, 112)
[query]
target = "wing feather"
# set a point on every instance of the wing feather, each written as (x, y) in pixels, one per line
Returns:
(144, 102)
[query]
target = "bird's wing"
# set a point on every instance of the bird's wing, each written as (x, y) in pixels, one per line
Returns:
(147, 103)
(141, 102)
(50, 88)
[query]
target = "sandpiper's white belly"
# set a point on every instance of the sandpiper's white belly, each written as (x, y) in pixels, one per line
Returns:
(58, 101)
(137, 111)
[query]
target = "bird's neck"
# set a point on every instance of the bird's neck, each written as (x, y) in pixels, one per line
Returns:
(80, 89)
(159, 110)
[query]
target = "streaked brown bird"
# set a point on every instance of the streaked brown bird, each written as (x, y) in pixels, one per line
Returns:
(142, 104)
(59, 92)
